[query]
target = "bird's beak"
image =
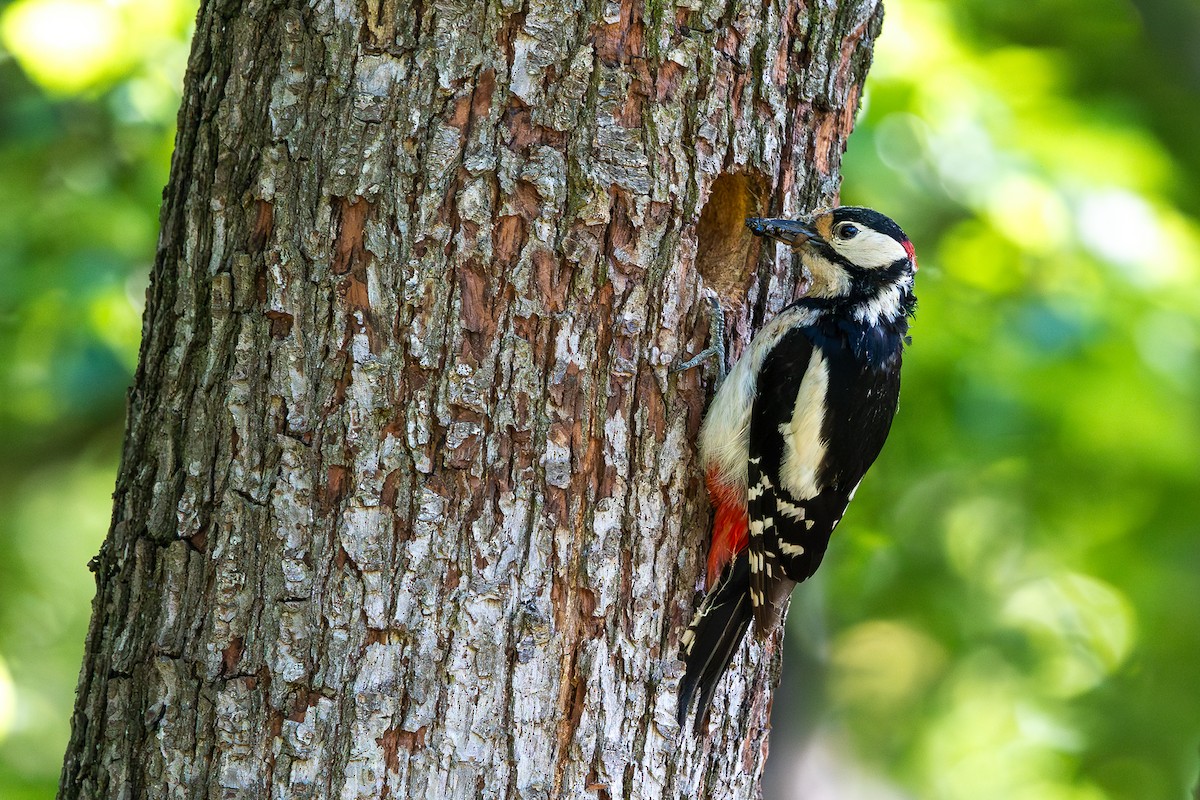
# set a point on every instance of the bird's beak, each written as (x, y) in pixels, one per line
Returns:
(788, 231)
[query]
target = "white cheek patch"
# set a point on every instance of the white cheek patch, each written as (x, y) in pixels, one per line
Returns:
(870, 249)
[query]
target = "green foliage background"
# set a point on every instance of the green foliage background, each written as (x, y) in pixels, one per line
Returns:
(1012, 607)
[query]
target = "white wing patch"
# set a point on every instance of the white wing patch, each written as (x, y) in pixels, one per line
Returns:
(803, 447)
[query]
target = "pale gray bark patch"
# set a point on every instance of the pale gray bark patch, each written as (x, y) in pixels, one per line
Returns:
(408, 505)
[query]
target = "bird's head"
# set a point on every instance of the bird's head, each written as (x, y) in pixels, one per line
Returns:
(851, 253)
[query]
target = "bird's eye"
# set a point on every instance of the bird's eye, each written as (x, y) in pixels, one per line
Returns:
(847, 231)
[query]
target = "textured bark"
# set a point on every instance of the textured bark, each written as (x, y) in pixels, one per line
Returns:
(408, 505)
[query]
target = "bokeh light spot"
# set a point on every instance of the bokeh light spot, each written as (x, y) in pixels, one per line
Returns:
(884, 666)
(1118, 226)
(8, 700)
(1030, 213)
(1082, 627)
(64, 45)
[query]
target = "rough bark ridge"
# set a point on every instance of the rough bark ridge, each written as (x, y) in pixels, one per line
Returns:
(408, 504)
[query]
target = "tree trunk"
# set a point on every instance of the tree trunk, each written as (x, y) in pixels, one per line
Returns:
(408, 505)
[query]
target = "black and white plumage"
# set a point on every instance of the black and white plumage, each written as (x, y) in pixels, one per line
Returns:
(795, 426)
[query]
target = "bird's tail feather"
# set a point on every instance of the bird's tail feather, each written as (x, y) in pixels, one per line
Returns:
(712, 639)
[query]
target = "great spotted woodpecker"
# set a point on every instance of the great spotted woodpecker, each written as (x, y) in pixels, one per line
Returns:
(795, 426)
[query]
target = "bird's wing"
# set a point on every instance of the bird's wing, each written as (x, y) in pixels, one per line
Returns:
(779, 527)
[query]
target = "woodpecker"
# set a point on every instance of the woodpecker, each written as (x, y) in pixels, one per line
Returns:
(795, 426)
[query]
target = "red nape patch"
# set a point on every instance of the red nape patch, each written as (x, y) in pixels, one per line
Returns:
(912, 253)
(731, 526)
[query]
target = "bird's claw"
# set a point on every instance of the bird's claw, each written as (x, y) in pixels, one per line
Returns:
(716, 347)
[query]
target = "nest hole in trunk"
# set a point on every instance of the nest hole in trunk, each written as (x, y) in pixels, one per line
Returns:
(726, 251)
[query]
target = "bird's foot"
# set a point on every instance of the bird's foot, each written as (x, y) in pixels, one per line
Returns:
(716, 347)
